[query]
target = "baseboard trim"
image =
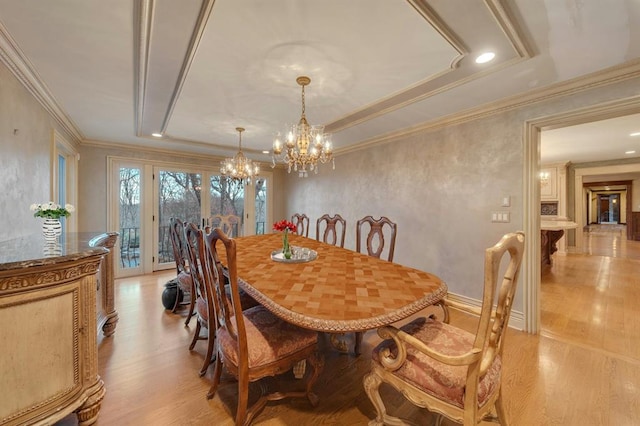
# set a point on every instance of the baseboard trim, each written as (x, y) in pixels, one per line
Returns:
(516, 321)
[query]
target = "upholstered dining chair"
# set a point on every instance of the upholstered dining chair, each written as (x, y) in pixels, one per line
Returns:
(230, 224)
(205, 312)
(332, 225)
(254, 343)
(374, 231)
(443, 368)
(301, 221)
(185, 283)
(204, 308)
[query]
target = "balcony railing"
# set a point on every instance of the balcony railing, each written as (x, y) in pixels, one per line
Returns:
(130, 245)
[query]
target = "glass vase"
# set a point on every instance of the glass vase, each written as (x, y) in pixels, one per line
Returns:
(286, 249)
(51, 229)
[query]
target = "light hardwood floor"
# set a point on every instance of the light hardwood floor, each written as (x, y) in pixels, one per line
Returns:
(583, 369)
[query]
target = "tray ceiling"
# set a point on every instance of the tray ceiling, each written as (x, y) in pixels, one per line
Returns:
(116, 71)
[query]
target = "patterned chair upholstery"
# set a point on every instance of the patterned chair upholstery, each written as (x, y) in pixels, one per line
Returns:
(185, 284)
(445, 369)
(254, 343)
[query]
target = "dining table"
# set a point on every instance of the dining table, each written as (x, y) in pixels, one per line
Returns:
(334, 290)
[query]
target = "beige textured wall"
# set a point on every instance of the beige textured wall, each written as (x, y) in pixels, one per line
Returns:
(440, 186)
(26, 131)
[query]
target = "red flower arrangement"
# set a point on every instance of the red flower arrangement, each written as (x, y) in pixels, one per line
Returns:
(284, 225)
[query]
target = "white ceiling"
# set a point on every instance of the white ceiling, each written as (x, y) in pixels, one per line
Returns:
(116, 71)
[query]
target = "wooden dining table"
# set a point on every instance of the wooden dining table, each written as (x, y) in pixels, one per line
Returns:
(339, 291)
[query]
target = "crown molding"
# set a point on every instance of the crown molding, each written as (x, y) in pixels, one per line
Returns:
(24, 71)
(148, 150)
(608, 76)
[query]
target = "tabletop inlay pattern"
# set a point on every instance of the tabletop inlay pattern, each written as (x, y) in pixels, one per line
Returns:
(339, 291)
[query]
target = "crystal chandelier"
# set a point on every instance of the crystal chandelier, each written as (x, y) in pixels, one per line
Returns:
(305, 145)
(239, 167)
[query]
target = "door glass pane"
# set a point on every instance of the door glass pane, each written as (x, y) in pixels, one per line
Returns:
(261, 206)
(227, 198)
(129, 217)
(179, 197)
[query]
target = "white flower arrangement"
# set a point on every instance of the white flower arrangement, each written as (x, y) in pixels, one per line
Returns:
(51, 210)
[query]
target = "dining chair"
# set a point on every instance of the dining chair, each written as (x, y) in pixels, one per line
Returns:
(195, 249)
(301, 221)
(230, 224)
(374, 230)
(185, 283)
(253, 344)
(204, 309)
(446, 369)
(331, 225)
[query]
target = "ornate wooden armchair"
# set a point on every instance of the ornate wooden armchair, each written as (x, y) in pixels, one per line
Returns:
(185, 284)
(301, 221)
(445, 369)
(253, 344)
(331, 224)
(230, 224)
(375, 240)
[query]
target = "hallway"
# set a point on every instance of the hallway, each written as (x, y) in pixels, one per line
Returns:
(591, 299)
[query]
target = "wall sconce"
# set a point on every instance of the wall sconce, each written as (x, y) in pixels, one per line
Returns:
(544, 178)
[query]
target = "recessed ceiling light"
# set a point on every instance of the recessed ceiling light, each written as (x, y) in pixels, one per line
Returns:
(629, 152)
(635, 134)
(485, 57)
(265, 152)
(156, 135)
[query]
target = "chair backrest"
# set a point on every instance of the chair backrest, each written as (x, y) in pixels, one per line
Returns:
(499, 293)
(301, 221)
(176, 234)
(332, 224)
(226, 298)
(230, 224)
(195, 249)
(375, 240)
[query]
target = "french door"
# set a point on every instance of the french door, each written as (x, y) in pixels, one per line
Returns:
(145, 195)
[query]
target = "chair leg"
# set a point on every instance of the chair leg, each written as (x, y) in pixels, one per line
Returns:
(196, 336)
(192, 305)
(317, 363)
(500, 413)
(211, 341)
(217, 372)
(243, 399)
(371, 386)
(179, 296)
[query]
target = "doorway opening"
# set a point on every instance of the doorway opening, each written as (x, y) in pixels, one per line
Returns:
(531, 193)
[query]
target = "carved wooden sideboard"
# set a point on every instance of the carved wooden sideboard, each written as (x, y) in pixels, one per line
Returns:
(48, 317)
(106, 304)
